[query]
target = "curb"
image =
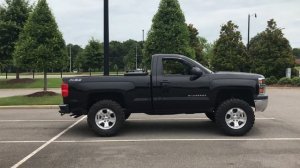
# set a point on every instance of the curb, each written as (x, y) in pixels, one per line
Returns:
(31, 107)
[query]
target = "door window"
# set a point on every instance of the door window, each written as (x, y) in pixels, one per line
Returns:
(176, 67)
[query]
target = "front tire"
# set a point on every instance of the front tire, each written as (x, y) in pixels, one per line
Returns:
(106, 118)
(211, 116)
(235, 117)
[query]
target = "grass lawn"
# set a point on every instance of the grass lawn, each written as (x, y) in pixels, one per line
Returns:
(23, 100)
(37, 83)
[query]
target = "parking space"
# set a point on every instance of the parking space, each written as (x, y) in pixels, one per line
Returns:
(41, 138)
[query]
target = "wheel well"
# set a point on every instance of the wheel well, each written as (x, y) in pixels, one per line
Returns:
(243, 94)
(95, 97)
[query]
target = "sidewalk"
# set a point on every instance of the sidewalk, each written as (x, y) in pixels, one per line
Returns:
(21, 92)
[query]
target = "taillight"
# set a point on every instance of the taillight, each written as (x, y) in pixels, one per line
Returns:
(65, 90)
(262, 86)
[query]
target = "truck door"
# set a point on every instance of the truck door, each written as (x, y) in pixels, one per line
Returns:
(175, 91)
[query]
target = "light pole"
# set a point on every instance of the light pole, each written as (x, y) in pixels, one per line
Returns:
(136, 56)
(106, 38)
(249, 22)
(70, 58)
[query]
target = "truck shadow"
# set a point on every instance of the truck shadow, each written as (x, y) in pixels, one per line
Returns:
(167, 127)
(140, 129)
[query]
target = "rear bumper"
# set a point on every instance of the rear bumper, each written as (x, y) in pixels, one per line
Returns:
(261, 103)
(64, 109)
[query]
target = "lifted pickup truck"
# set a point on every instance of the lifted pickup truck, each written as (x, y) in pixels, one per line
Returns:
(176, 85)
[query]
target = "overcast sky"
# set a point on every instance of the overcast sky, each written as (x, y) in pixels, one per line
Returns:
(79, 20)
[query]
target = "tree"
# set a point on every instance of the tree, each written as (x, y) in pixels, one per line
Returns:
(296, 52)
(271, 52)
(75, 51)
(117, 53)
(92, 55)
(196, 45)
(169, 32)
(13, 15)
(132, 47)
(229, 52)
(207, 51)
(41, 44)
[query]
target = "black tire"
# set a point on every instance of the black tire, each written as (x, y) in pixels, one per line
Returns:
(226, 107)
(127, 115)
(118, 114)
(211, 116)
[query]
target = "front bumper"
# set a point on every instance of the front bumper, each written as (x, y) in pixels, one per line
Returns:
(64, 109)
(261, 103)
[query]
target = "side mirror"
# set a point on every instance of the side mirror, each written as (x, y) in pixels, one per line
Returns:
(196, 72)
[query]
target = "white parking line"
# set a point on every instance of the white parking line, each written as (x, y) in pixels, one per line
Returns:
(12, 142)
(151, 119)
(37, 120)
(46, 144)
(179, 140)
(156, 140)
(146, 119)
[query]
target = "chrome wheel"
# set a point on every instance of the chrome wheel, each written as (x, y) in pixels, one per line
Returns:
(105, 119)
(236, 118)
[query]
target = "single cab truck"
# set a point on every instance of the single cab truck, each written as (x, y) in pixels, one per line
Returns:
(176, 85)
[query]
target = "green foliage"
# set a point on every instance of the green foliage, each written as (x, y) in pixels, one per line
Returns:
(41, 45)
(272, 80)
(92, 56)
(130, 55)
(196, 44)
(117, 52)
(296, 52)
(285, 81)
(271, 52)
(296, 81)
(13, 15)
(229, 52)
(169, 33)
(75, 52)
(24, 100)
(207, 51)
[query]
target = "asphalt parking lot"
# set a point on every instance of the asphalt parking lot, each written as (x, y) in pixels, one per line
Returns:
(41, 138)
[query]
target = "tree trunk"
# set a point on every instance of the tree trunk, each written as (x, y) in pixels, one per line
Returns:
(45, 80)
(6, 74)
(17, 73)
(90, 72)
(33, 74)
(61, 74)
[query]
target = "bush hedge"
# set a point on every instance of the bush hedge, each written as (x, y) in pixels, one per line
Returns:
(296, 81)
(285, 81)
(272, 80)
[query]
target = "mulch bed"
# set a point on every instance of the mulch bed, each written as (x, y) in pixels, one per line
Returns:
(17, 81)
(42, 94)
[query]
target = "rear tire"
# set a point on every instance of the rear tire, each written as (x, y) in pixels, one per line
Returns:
(106, 118)
(235, 117)
(211, 116)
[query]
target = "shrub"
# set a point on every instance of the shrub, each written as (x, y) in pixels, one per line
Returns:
(296, 81)
(272, 80)
(285, 81)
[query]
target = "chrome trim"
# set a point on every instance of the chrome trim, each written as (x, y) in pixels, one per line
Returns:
(261, 105)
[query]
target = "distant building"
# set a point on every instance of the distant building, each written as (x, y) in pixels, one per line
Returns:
(298, 61)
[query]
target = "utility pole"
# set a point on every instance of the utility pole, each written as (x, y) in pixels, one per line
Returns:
(136, 56)
(106, 38)
(70, 58)
(249, 22)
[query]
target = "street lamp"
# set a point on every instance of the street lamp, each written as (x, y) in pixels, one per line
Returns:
(106, 38)
(249, 22)
(70, 58)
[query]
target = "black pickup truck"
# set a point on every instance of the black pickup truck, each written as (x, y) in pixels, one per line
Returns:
(176, 85)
